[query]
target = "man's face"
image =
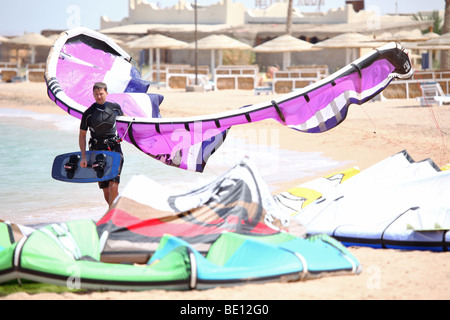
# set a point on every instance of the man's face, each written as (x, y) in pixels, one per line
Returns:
(100, 95)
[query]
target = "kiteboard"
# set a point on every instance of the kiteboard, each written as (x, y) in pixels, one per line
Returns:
(101, 166)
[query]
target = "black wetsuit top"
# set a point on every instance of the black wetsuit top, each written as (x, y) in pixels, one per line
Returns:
(101, 120)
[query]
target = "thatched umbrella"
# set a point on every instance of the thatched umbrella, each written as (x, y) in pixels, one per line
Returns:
(349, 42)
(32, 40)
(285, 44)
(402, 36)
(218, 42)
(409, 39)
(439, 43)
(414, 44)
(156, 41)
(442, 41)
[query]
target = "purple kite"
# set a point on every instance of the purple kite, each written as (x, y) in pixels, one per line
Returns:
(80, 57)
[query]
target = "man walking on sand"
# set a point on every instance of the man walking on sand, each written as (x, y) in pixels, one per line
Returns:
(100, 119)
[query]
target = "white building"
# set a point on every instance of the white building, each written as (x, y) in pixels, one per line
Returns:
(227, 12)
(254, 27)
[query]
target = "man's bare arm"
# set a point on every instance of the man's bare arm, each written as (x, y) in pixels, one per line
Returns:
(82, 143)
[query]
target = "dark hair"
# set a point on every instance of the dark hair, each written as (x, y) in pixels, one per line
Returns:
(100, 85)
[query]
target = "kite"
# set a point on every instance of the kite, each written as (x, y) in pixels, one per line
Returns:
(69, 254)
(238, 201)
(228, 232)
(80, 57)
(397, 203)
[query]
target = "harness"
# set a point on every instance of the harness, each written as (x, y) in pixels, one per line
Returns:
(108, 143)
(103, 130)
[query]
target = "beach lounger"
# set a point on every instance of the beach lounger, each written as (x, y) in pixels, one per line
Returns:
(264, 89)
(432, 93)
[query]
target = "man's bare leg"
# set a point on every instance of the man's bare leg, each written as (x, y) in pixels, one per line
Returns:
(111, 192)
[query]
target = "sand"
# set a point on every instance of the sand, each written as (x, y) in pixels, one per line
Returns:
(371, 133)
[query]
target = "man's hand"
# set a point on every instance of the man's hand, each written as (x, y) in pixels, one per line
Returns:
(83, 162)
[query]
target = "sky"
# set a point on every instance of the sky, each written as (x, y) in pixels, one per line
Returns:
(20, 16)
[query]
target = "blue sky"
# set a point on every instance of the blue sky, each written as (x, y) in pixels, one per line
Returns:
(21, 16)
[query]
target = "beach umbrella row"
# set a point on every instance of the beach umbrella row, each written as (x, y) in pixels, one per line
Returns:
(212, 42)
(158, 42)
(220, 43)
(350, 42)
(285, 44)
(436, 43)
(32, 40)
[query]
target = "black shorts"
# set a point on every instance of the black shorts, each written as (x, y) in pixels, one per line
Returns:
(116, 148)
(105, 184)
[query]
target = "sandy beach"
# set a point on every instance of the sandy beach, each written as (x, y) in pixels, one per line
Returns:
(371, 133)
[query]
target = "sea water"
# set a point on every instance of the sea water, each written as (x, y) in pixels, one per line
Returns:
(30, 141)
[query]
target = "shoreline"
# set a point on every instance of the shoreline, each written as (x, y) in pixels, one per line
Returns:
(371, 133)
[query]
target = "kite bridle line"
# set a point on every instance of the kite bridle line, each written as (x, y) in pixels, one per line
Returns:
(433, 116)
(126, 131)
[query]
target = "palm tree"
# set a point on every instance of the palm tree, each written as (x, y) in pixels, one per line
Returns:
(289, 18)
(445, 29)
(435, 17)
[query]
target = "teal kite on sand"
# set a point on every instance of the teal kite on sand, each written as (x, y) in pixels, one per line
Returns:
(69, 254)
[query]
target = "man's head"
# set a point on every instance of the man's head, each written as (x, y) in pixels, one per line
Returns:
(100, 92)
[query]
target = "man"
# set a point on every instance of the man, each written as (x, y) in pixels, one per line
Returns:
(100, 119)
